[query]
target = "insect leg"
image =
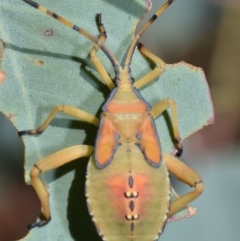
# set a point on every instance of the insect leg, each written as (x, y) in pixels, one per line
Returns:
(64, 21)
(160, 66)
(94, 58)
(187, 175)
(158, 109)
(48, 163)
(67, 109)
(143, 29)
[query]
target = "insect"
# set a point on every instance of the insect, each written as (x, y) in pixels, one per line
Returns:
(127, 187)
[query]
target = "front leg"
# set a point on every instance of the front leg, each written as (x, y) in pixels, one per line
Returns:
(156, 72)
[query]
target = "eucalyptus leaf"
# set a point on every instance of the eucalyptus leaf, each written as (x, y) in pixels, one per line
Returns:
(47, 64)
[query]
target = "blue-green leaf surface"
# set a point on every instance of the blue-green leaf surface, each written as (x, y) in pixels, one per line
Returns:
(47, 64)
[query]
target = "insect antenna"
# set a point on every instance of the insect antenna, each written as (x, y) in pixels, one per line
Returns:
(142, 30)
(66, 22)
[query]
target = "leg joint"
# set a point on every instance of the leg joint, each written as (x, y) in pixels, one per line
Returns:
(170, 101)
(59, 108)
(198, 186)
(35, 171)
(104, 33)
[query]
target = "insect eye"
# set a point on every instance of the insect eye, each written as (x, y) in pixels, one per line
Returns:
(132, 80)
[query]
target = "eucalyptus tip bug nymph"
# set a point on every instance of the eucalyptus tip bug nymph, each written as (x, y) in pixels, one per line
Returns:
(127, 165)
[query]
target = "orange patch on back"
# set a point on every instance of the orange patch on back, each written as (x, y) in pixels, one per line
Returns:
(140, 180)
(117, 186)
(106, 143)
(115, 107)
(149, 142)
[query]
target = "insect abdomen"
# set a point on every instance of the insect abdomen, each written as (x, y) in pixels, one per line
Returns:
(129, 199)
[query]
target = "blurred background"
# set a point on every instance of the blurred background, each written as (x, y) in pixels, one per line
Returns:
(204, 33)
